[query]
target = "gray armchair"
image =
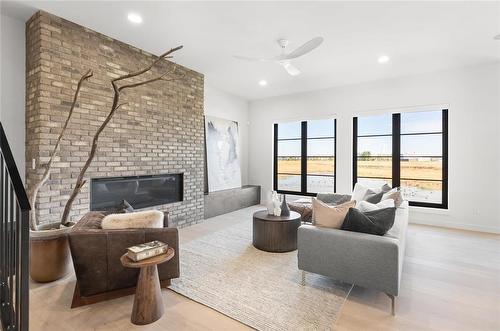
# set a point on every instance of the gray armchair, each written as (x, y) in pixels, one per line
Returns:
(358, 258)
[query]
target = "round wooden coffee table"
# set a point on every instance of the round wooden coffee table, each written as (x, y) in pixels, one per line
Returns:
(275, 233)
(148, 305)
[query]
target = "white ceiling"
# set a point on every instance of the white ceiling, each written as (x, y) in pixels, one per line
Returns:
(419, 37)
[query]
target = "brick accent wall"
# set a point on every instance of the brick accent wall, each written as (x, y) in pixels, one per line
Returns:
(159, 131)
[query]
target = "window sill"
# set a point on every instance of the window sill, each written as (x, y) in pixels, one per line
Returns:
(430, 210)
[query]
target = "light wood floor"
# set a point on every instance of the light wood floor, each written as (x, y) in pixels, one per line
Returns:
(451, 281)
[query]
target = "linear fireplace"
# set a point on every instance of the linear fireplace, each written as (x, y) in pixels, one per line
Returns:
(140, 191)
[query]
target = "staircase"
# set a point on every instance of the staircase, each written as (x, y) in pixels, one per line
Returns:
(14, 243)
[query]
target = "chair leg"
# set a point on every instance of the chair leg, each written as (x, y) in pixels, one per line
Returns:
(303, 281)
(393, 304)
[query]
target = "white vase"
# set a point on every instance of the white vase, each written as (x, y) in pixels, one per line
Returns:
(270, 203)
(276, 204)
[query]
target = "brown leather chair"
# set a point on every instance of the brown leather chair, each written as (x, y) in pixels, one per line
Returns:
(96, 258)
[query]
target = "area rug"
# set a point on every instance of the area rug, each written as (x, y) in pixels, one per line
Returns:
(225, 272)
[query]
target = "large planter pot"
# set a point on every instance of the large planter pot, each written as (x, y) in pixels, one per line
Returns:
(50, 257)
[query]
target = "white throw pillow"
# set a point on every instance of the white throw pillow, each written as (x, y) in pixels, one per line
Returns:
(359, 192)
(364, 206)
(386, 194)
(395, 195)
(148, 219)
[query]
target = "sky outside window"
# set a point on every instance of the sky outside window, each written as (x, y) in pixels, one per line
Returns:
(315, 129)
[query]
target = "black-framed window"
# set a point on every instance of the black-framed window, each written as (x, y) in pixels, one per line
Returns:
(304, 157)
(407, 150)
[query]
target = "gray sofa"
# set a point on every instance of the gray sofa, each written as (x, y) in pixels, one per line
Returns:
(366, 260)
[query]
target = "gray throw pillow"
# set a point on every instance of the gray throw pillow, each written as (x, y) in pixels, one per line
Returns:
(373, 197)
(385, 188)
(376, 222)
(333, 198)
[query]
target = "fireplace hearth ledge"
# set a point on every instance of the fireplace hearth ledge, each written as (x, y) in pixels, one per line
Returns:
(226, 201)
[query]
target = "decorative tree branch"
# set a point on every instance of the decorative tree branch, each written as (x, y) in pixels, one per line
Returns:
(48, 166)
(80, 182)
(142, 71)
(161, 77)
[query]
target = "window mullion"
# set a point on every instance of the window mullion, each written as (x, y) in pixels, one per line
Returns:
(444, 151)
(275, 165)
(354, 151)
(303, 153)
(396, 150)
(335, 155)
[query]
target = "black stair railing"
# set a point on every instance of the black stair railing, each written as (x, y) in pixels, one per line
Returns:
(14, 243)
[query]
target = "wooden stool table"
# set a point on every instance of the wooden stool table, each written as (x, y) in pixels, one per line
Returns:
(275, 233)
(148, 305)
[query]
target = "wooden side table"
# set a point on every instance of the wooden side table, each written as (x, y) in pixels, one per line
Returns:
(148, 304)
(275, 233)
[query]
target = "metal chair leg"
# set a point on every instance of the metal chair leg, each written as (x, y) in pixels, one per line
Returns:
(393, 304)
(303, 281)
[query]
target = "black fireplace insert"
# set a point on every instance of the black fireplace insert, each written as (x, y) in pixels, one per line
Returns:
(140, 191)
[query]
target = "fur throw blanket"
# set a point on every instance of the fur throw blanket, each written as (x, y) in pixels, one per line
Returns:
(148, 219)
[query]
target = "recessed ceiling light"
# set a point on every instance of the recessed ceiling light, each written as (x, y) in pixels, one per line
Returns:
(383, 59)
(262, 82)
(134, 18)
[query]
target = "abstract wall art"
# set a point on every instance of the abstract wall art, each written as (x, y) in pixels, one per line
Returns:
(223, 154)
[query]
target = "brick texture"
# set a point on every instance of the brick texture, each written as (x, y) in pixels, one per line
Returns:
(160, 130)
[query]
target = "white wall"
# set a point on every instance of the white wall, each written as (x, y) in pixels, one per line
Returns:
(224, 105)
(12, 86)
(472, 97)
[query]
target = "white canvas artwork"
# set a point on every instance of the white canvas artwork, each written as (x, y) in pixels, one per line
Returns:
(223, 154)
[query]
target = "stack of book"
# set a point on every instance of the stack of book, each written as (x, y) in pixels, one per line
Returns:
(146, 250)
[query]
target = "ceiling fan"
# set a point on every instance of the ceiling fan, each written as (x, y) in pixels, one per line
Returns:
(285, 58)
